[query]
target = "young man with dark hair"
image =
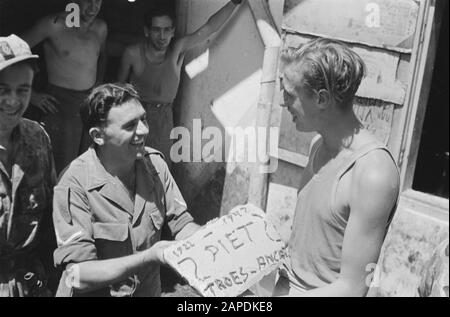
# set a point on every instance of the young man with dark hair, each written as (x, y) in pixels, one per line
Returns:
(27, 177)
(154, 67)
(75, 60)
(350, 188)
(111, 203)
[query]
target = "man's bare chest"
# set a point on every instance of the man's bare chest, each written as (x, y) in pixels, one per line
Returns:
(75, 45)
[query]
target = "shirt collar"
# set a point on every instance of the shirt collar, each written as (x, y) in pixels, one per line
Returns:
(98, 176)
(23, 147)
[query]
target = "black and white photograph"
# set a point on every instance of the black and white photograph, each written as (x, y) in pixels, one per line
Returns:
(246, 150)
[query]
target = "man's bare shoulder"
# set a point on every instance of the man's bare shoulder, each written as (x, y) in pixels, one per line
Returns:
(375, 174)
(377, 166)
(100, 26)
(133, 51)
(378, 162)
(179, 44)
(376, 177)
(53, 22)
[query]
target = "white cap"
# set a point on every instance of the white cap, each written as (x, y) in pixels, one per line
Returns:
(13, 50)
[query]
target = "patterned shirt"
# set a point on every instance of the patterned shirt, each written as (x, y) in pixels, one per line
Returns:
(26, 195)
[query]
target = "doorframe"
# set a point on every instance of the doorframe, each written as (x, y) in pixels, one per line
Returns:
(423, 61)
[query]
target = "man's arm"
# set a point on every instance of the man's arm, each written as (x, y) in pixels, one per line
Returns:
(125, 66)
(187, 231)
(94, 275)
(211, 27)
(45, 102)
(103, 58)
(179, 220)
(40, 31)
(374, 192)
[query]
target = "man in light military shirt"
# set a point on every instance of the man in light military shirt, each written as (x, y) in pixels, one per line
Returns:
(111, 203)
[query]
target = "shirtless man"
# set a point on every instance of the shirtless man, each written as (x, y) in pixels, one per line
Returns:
(154, 67)
(350, 188)
(75, 62)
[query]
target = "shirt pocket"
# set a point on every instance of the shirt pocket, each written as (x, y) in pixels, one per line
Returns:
(112, 240)
(156, 217)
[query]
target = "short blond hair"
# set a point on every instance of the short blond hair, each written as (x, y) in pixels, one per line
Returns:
(330, 65)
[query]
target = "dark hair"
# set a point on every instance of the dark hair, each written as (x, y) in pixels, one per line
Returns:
(95, 109)
(330, 65)
(159, 11)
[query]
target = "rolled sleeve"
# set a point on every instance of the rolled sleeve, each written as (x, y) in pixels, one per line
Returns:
(73, 227)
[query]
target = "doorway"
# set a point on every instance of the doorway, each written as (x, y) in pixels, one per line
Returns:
(432, 165)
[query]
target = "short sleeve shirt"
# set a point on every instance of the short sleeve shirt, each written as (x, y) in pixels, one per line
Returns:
(96, 220)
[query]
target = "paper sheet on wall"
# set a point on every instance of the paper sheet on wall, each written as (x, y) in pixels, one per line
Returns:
(376, 116)
(228, 257)
(381, 79)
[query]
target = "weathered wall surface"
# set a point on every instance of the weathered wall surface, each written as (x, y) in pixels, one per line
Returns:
(230, 84)
(409, 245)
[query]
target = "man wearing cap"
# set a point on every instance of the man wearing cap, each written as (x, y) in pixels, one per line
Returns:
(154, 67)
(111, 203)
(75, 62)
(27, 178)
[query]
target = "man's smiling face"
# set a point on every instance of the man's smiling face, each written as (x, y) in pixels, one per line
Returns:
(89, 9)
(161, 33)
(126, 131)
(15, 93)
